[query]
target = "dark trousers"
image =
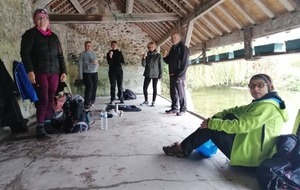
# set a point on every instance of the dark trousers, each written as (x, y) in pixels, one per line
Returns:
(154, 86)
(221, 139)
(116, 77)
(177, 93)
(90, 81)
(45, 87)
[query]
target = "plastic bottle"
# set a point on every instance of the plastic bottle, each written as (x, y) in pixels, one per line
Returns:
(104, 122)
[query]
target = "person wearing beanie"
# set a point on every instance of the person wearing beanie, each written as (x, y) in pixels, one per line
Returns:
(245, 134)
(44, 63)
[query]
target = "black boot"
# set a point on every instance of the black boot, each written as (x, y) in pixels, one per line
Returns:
(41, 133)
(49, 128)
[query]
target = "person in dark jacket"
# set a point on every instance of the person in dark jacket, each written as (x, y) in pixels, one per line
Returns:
(178, 62)
(115, 61)
(153, 71)
(44, 63)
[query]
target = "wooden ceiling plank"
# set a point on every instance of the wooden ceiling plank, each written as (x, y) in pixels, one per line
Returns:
(77, 6)
(290, 5)
(199, 34)
(204, 28)
(173, 7)
(41, 4)
(230, 16)
(221, 23)
(180, 6)
(241, 8)
(263, 5)
(129, 6)
(188, 4)
(212, 25)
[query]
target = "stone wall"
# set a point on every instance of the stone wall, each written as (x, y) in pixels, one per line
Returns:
(16, 18)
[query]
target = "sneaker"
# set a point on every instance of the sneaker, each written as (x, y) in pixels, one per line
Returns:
(181, 113)
(171, 111)
(174, 150)
(144, 103)
(153, 104)
(41, 134)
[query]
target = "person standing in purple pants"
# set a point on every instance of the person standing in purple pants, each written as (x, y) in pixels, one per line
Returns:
(44, 63)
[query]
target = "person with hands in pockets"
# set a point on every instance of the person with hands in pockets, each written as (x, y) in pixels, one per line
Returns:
(88, 72)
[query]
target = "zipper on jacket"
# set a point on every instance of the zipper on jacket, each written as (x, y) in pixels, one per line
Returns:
(262, 137)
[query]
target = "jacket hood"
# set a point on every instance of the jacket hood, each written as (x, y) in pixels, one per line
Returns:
(275, 99)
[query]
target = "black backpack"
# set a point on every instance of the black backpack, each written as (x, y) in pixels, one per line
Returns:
(77, 119)
(129, 95)
(282, 171)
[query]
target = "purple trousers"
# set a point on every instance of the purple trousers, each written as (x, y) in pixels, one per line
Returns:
(45, 87)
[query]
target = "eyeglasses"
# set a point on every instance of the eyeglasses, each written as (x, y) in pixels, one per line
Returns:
(41, 18)
(258, 85)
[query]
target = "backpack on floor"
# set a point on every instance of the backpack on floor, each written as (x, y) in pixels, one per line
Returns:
(129, 95)
(77, 119)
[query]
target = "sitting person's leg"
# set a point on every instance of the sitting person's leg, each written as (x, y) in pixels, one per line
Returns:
(221, 139)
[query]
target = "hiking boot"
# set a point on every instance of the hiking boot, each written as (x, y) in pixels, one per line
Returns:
(174, 150)
(181, 113)
(144, 103)
(153, 104)
(41, 133)
(49, 128)
(171, 111)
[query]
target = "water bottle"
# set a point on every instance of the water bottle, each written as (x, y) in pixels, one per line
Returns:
(104, 122)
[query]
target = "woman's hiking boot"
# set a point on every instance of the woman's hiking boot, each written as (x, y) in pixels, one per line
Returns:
(41, 133)
(174, 150)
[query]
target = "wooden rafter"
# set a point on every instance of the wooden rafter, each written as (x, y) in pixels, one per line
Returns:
(77, 6)
(230, 16)
(290, 5)
(221, 23)
(211, 25)
(129, 6)
(244, 11)
(263, 5)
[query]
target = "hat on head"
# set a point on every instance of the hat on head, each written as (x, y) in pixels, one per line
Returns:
(40, 11)
(266, 78)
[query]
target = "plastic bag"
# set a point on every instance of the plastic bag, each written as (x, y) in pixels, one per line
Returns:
(208, 149)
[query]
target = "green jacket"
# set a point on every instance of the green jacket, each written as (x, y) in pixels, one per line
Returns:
(256, 129)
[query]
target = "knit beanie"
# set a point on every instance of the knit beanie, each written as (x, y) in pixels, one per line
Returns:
(266, 78)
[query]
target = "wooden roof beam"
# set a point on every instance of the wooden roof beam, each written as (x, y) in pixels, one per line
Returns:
(188, 4)
(189, 33)
(221, 23)
(212, 25)
(230, 16)
(244, 11)
(77, 6)
(280, 24)
(201, 10)
(134, 17)
(263, 5)
(41, 4)
(101, 6)
(129, 6)
(290, 5)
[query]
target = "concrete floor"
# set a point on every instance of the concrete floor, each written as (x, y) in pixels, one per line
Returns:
(127, 156)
